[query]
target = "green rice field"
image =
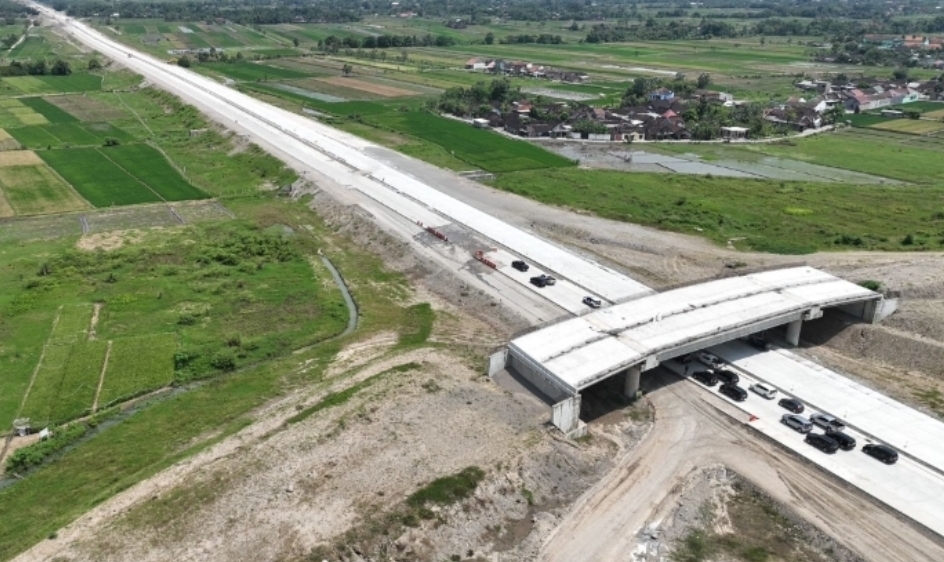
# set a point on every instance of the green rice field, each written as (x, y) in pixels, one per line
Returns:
(483, 149)
(80, 82)
(250, 71)
(67, 134)
(137, 365)
(52, 113)
(145, 163)
(120, 175)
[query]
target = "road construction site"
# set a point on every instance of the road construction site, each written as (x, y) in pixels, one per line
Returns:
(444, 228)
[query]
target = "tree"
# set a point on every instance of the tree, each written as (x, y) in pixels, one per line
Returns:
(704, 79)
(183, 62)
(489, 38)
(94, 64)
(347, 69)
(900, 74)
(295, 41)
(61, 68)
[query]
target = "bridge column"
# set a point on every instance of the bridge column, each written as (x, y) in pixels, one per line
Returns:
(631, 384)
(793, 332)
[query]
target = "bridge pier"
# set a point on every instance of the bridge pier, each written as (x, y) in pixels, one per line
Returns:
(631, 383)
(565, 415)
(793, 332)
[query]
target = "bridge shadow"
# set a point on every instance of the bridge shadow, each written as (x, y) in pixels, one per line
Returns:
(604, 401)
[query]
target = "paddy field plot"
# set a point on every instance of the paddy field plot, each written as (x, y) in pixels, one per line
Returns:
(52, 113)
(910, 126)
(67, 134)
(381, 90)
(149, 166)
(33, 189)
(137, 365)
(251, 71)
(55, 84)
(99, 180)
(121, 175)
(936, 114)
(483, 149)
(86, 108)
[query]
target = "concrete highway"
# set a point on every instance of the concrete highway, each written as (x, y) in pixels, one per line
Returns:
(908, 486)
(343, 164)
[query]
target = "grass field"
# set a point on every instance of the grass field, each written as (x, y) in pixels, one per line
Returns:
(79, 82)
(780, 217)
(99, 180)
(34, 46)
(137, 365)
(121, 175)
(482, 149)
(250, 71)
(52, 113)
(167, 431)
(66, 134)
(936, 114)
(148, 165)
(32, 190)
(871, 151)
(910, 126)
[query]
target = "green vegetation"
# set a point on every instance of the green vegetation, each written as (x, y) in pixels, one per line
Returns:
(122, 175)
(483, 149)
(211, 273)
(448, 489)
(756, 214)
(418, 326)
(250, 71)
(148, 165)
(33, 190)
(99, 180)
(67, 134)
(51, 112)
(33, 455)
(137, 365)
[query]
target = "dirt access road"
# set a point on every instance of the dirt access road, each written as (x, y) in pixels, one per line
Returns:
(694, 429)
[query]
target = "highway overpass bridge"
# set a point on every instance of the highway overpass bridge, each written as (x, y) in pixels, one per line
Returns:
(634, 336)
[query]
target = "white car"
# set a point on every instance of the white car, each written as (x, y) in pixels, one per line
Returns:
(762, 389)
(710, 359)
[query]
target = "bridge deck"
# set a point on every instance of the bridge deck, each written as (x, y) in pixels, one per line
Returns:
(581, 351)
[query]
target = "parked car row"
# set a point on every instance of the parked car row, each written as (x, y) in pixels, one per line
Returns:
(832, 439)
(544, 280)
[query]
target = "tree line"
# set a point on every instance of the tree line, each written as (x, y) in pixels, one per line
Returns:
(37, 68)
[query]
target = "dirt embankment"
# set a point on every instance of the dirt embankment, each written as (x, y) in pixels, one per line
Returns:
(277, 492)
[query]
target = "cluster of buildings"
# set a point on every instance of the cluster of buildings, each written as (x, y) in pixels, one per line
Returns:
(858, 98)
(660, 119)
(525, 69)
(925, 43)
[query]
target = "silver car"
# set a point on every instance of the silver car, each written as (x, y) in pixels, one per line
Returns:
(828, 422)
(799, 423)
(764, 390)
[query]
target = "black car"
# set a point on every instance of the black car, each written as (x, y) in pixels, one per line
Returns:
(728, 377)
(539, 281)
(706, 378)
(733, 391)
(846, 441)
(757, 343)
(685, 359)
(792, 404)
(592, 302)
(822, 442)
(520, 265)
(883, 453)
